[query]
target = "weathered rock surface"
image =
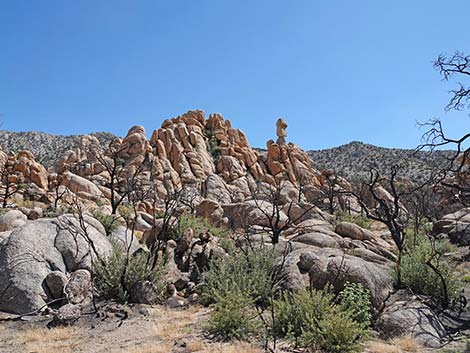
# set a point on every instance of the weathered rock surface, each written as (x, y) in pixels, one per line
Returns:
(319, 266)
(403, 316)
(144, 292)
(456, 225)
(11, 220)
(78, 287)
(34, 250)
(353, 231)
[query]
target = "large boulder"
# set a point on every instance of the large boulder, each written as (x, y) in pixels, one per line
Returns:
(353, 231)
(330, 266)
(251, 213)
(456, 225)
(31, 171)
(81, 186)
(210, 210)
(11, 220)
(34, 250)
(407, 316)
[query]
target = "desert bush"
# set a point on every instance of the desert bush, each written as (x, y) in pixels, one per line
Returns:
(233, 317)
(420, 277)
(114, 276)
(312, 320)
(126, 212)
(355, 299)
(248, 271)
(109, 222)
(360, 220)
(198, 225)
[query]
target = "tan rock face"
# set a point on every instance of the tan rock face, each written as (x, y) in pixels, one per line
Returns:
(289, 162)
(31, 170)
(191, 149)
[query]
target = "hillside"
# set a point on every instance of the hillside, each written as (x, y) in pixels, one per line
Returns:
(353, 160)
(47, 148)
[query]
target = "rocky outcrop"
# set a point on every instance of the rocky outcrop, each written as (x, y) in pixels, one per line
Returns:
(35, 250)
(456, 226)
(190, 150)
(403, 316)
(30, 170)
(289, 162)
(81, 186)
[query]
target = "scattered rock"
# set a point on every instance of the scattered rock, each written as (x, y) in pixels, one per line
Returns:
(144, 292)
(67, 315)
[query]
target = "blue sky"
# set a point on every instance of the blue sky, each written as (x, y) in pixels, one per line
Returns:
(336, 70)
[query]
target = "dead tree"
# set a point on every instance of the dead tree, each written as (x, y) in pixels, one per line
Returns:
(385, 208)
(456, 65)
(123, 179)
(9, 183)
(277, 209)
(455, 174)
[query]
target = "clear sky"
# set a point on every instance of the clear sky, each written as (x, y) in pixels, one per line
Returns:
(336, 70)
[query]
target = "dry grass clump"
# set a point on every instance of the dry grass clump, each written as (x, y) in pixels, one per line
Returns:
(174, 325)
(228, 347)
(56, 340)
(405, 344)
(158, 347)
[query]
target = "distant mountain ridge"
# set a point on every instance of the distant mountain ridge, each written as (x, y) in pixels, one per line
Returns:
(47, 148)
(354, 159)
(351, 160)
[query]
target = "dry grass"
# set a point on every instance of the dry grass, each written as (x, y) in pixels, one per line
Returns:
(406, 343)
(152, 348)
(403, 344)
(381, 347)
(234, 347)
(174, 324)
(57, 340)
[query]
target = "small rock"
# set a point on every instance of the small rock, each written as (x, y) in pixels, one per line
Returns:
(79, 287)
(175, 301)
(55, 282)
(144, 292)
(66, 315)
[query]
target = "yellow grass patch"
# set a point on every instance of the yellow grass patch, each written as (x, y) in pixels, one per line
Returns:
(405, 344)
(233, 347)
(152, 348)
(56, 340)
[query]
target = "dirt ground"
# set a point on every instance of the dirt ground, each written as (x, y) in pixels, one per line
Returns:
(141, 329)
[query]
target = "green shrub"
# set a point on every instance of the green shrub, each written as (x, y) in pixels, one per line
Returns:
(115, 276)
(200, 225)
(248, 272)
(233, 317)
(126, 212)
(355, 299)
(417, 275)
(338, 334)
(52, 212)
(313, 321)
(360, 220)
(109, 222)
